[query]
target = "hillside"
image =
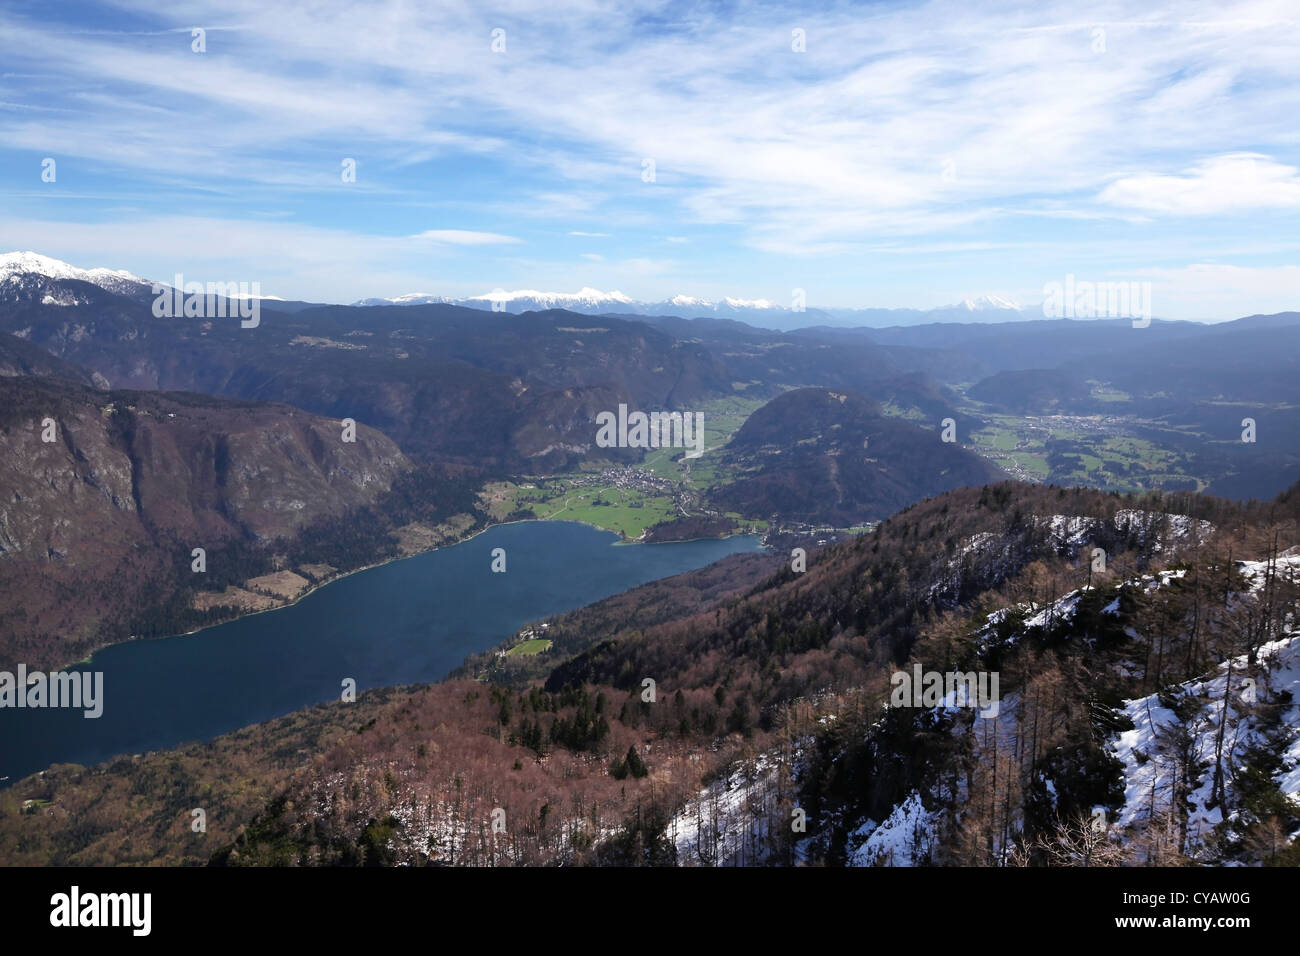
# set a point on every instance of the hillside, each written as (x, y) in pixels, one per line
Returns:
(447, 383)
(833, 458)
(775, 695)
(97, 533)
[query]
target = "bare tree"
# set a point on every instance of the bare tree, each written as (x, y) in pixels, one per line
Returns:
(1075, 841)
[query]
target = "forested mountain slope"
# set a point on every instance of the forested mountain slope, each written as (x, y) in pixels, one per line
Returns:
(772, 696)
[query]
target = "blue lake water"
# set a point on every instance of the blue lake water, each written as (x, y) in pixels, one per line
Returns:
(409, 621)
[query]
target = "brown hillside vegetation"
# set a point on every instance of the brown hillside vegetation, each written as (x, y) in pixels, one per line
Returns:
(96, 539)
(586, 770)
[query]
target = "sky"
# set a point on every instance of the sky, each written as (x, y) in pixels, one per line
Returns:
(870, 154)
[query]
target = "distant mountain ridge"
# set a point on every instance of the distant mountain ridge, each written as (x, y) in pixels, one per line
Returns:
(29, 269)
(20, 263)
(764, 313)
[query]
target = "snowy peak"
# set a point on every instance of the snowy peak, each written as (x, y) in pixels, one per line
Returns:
(24, 274)
(586, 297)
(30, 274)
(988, 303)
(990, 308)
(731, 303)
(518, 300)
(14, 264)
(689, 301)
(411, 298)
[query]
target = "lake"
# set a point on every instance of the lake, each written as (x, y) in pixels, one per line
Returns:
(409, 621)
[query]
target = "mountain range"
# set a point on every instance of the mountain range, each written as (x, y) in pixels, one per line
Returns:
(131, 439)
(764, 313)
(1123, 734)
(839, 426)
(22, 269)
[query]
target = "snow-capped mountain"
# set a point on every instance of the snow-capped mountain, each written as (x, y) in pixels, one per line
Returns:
(761, 312)
(529, 299)
(586, 300)
(30, 276)
(520, 300)
(411, 298)
(988, 303)
(17, 267)
(980, 308)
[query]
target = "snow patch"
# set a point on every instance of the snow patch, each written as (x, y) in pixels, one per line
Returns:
(906, 838)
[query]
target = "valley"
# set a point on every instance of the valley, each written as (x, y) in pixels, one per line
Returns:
(574, 437)
(787, 675)
(407, 621)
(326, 561)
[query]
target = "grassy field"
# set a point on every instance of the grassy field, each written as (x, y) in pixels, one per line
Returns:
(722, 418)
(1106, 393)
(898, 411)
(530, 647)
(625, 511)
(1087, 452)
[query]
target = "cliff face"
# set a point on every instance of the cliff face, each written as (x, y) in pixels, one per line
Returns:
(133, 481)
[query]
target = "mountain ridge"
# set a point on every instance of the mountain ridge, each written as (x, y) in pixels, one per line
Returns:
(587, 301)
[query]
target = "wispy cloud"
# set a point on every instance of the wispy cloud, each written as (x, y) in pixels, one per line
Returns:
(922, 127)
(465, 237)
(1222, 184)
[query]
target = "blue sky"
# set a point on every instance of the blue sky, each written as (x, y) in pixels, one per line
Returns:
(911, 155)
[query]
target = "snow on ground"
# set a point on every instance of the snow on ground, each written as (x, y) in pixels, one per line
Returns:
(907, 837)
(910, 832)
(1286, 673)
(1149, 768)
(728, 822)
(1063, 608)
(996, 552)
(1070, 532)
(975, 542)
(1288, 565)
(1177, 527)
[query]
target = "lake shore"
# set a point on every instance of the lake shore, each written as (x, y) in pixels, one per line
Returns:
(282, 603)
(414, 623)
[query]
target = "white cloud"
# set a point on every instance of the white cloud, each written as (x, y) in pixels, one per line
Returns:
(1237, 182)
(1217, 291)
(839, 151)
(749, 132)
(290, 260)
(466, 237)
